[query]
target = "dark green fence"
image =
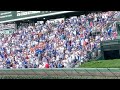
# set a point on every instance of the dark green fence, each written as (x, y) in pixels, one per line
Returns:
(79, 73)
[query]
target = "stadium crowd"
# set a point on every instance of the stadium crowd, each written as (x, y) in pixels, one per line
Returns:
(60, 44)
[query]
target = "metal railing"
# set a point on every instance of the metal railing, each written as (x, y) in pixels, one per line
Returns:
(60, 73)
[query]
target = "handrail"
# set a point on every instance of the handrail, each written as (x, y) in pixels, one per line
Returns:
(76, 72)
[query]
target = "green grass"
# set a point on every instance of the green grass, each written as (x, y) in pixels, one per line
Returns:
(115, 63)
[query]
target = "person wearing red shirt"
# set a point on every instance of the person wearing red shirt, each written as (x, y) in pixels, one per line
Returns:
(47, 65)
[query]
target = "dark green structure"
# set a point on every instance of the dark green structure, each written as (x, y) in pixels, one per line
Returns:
(110, 49)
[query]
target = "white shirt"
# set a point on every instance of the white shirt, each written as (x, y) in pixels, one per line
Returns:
(77, 41)
(82, 42)
(20, 64)
(61, 49)
(37, 62)
(35, 43)
(82, 58)
(8, 51)
(96, 38)
(54, 45)
(69, 59)
(9, 38)
(74, 32)
(65, 63)
(1, 66)
(86, 40)
(73, 56)
(92, 44)
(2, 39)
(17, 66)
(103, 16)
(6, 44)
(57, 58)
(41, 66)
(101, 38)
(0, 43)
(95, 19)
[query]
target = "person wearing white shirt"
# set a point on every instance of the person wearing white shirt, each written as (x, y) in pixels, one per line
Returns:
(57, 58)
(65, 63)
(20, 64)
(74, 32)
(37, 62)
(82, 42)
(6, 44)
(61, 49)
(77, 41)
(1, 65)
(82, 58)
(8, 50)
(72, 56)
(92, 45)
(69, 59)
(86, 40)
(97, 37)
(102, 38)
(41, 66)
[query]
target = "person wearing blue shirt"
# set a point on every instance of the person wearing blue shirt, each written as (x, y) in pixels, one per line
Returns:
(59, 65)
(38, 51)
(8, 63)
(110, 31)
(2, 55)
